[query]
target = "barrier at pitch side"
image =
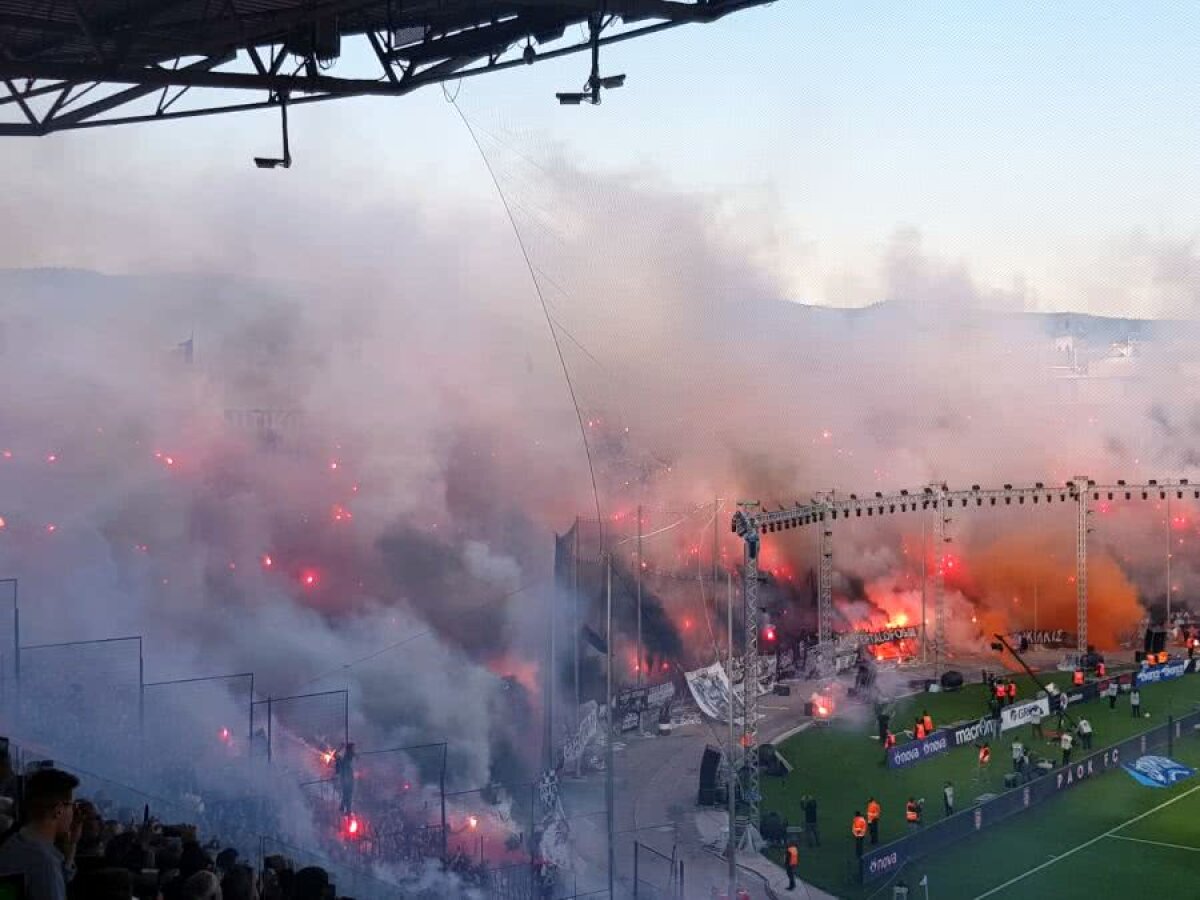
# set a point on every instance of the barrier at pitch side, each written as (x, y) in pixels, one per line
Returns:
(890, 858)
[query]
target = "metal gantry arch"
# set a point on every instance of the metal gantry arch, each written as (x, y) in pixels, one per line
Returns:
(751, 521)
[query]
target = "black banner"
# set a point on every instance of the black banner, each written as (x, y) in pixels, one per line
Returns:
(1043, 637)
(636, 700)
(882, 636)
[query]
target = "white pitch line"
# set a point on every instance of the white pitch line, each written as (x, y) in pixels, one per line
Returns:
(1121, 837)
(1087, 844)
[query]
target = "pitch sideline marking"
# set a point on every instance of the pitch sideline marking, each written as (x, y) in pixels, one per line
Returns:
(1087, 844)
(1121, 837)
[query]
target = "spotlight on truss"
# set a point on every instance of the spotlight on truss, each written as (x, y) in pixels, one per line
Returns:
(285, 162)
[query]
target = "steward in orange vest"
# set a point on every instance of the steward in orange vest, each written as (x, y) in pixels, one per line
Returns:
(927, 721)
(1011, 690)
(859, 829)
(919, 730)
(1077, 678)
(1100, 670)
(792, 863)
(873, 812)
(985, 755)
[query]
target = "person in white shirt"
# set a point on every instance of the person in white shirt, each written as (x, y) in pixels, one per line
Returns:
(1085, 734)
(1065, 742)
(1035, 719)
(1112, 692)
(1135, 701)
(1018, 750)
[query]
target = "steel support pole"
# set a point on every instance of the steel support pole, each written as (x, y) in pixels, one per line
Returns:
(608, 753)
(442, 795)
(1081, 562)
(639, 603)
(941, 538)
(732, 756)
(750, 678)
(825, 586)
(575, 616)
(1168, 557)
(924, 583)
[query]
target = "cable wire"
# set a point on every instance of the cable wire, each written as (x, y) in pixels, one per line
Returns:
(587, 449)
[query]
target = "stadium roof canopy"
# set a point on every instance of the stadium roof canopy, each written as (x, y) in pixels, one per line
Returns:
(84, 63)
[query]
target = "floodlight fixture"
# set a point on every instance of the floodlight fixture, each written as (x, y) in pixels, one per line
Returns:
(285, 162)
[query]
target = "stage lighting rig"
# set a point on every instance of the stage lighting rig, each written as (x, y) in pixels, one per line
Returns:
(596, 82)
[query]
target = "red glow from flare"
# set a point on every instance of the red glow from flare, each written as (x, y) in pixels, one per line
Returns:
(52, 458)
(341, 514)
(327, 757)
(309, 578)
(7, 454)
(472, 822)
(1179, 523)
(267, 561)
(51, 528)
(352, 827)
(333, 464)
(225, 735)
(3, 524)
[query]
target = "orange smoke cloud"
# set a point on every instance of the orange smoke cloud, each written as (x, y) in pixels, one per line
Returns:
(1004, 574)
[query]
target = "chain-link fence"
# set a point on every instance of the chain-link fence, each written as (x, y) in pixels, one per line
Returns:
(84, 698)
(207, 719)
(302, 733)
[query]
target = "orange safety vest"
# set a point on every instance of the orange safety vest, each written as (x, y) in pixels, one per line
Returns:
(889, 742)
(999, 691)
(910, 811)
(1163, 657)
(859, 827)
(985, 755)
(1012, 690)
(1100, 670)
(920, 731)
(793, 857)
(872, 811)
(1078, 677)
(928, 723)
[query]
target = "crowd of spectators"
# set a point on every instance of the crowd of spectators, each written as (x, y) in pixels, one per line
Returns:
(57, 846)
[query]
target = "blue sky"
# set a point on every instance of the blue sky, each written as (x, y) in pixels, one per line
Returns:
(1023, 140)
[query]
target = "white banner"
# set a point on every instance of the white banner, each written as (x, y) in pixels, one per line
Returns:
(588, 725)
(1016, 716)
(711, 689)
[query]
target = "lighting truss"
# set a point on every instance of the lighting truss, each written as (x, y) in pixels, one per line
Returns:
(90, 63)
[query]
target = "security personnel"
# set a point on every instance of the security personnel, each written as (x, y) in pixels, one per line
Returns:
(859, 829)
(985, 755)
(927, 721)
(948, 798)
(1111, 693)
(1065, 742)
(1077, 678)
(1011, 691)
(1163, 658)
(873, 812)
(1101, 671)
(1018, 751)
(912, 813)
(889, 742)
(1001, 691)
(793, 862)
(919, 730)
(1135, 701)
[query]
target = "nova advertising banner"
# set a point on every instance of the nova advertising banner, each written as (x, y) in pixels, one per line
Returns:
(1162, 673)
(918, 751)
(1016, 716)
(1157, 771)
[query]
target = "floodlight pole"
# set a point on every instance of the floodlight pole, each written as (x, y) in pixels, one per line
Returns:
(1080, 487)
(731, 784)
(1168, 557)
(608, 753)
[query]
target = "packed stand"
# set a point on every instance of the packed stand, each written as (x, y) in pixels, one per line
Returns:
(56, 846)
